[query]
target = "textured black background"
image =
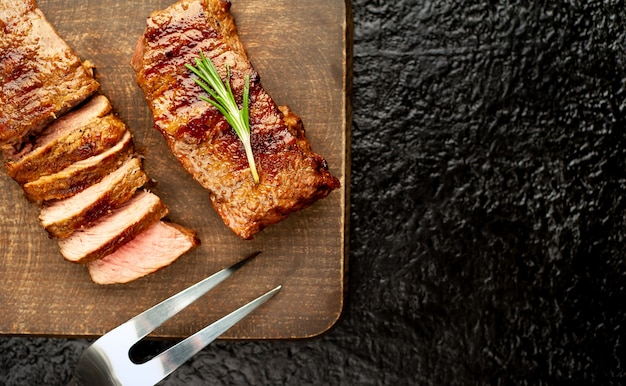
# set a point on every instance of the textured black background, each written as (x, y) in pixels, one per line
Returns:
(487, 209)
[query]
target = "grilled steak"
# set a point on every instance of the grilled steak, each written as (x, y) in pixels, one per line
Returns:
(74, 137)
(291, 175)
(62, 218)
(40, 77)
(155, 248)
(80, 175)
(114, 230)
(71, 154)
(98, 106)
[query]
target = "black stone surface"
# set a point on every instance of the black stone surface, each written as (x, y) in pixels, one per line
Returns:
(487, 209)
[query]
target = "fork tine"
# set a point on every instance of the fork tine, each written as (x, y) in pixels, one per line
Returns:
(107, 361)
(165, 363)
(155, 316)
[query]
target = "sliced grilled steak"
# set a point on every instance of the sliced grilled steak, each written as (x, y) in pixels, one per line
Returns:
(76, 136)
(62, 218)
(97, 106)
(151, 250)
(114, 230)
(80, 175)
(86, 153)
(40, 77)
(291, 175)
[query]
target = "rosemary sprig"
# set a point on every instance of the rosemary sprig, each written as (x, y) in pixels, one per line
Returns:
(223, 99)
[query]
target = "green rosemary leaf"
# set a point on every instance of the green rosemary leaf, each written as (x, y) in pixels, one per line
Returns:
(222, 97)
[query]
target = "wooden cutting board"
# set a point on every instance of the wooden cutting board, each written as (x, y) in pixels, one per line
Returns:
(301, 48)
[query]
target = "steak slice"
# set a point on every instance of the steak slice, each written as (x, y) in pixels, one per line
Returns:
(291, 175)
(112, 231)
(62, 218)
(40, 77)
(151, 250)
(76, 136)
(80, 175)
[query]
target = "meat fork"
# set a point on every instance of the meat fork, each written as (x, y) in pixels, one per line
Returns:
(107, 361)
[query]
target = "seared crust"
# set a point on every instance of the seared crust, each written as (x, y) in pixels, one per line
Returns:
(82, 141)
(80, 175)
(291, 175)
(40, 77)
(62, 218)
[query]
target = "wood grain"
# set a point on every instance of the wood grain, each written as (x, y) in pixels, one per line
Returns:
(301, 48)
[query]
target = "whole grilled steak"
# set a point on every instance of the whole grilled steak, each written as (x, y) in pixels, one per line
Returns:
(291, 175)
(40, 77)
